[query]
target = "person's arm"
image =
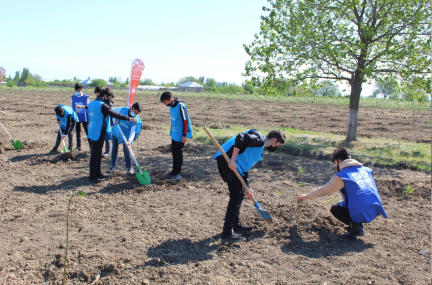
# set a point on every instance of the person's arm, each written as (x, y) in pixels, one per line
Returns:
(132, 133)
(185, 122)
(333, 186)
(3, 113)
(243, 140)
(68, 125)
(107, 111)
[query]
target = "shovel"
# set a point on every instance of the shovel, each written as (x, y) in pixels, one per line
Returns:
(266, 216)
(142, 176)
(64, 145)
(15, 144)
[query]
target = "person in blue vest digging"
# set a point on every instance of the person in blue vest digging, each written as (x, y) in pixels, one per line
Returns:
(79, 103)
(361, 201)
(181, 130)
(66, 118)
(99, 124)
(244, 151)
(130, 131)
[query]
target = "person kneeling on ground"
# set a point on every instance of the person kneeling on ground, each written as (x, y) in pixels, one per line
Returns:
(130, 131)
(66, 118)
(99, 124)
(361, 201)
(244, 150)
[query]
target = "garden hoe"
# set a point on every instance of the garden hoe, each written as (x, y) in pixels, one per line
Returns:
(266, 216)
(143, 176)
(64, 145)
(15, 144)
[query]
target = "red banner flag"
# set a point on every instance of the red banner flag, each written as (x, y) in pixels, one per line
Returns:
(2, 74)
(136, 72)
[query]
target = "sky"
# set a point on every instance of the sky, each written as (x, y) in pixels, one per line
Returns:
(100, 39)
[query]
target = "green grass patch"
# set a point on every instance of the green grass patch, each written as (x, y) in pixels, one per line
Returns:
(379, 151)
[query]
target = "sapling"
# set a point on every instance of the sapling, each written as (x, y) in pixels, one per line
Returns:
(300, 172)
(71, 195)
(408, 190)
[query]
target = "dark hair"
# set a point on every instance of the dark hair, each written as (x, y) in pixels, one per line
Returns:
(107, 92)
(98, 89)
(280, 137)
(137, 106)
(78, 87)
(341, 153)
(59, 111)
(165, 96)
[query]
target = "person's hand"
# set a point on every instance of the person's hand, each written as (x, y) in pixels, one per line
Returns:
(3, 113)
(80, 106)
(63, 137)
(251, 194)
(133, 120)
(302, 197)
(233, 165)
(129, 143)
(184, 139)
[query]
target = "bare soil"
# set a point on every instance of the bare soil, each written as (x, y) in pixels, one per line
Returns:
(169, 232)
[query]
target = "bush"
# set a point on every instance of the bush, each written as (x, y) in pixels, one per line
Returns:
(10, 83)
(98, 82)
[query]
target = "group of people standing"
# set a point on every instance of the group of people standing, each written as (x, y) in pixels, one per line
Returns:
(101, 122)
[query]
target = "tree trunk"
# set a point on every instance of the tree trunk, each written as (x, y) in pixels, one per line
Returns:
(356, 88)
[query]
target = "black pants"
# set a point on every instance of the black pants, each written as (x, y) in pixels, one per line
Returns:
(70, 138)
(236, 194)
(78, 133)
(96, 156)
(341, 213)
(177, 153)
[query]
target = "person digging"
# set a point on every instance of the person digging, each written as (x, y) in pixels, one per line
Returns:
(361, 201)
(244, 150)
(66, 118)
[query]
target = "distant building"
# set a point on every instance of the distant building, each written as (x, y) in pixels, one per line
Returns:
(191, 87)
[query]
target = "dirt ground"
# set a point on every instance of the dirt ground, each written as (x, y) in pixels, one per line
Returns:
(169, 233)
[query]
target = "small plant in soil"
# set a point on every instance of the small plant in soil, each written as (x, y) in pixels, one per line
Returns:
(71, 195)
(408, 191)
(300, 172)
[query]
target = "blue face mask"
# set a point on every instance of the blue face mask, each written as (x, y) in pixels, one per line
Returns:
(78, 93)
(132, 114)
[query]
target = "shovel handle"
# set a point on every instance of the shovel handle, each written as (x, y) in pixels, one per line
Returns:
(61, 134)
(6, 131)
(229, 161)
(130, 149)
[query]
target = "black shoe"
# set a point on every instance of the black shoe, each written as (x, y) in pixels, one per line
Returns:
(54, 150)
(96, 180)
(232, 238)
(355, 231)
(104, 176)
(171, 174)
(242, 229)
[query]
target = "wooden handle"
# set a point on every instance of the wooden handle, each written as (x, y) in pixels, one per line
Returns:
(229, 162)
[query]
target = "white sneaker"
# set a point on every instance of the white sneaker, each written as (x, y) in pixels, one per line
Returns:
(106, 154)
(130, 171)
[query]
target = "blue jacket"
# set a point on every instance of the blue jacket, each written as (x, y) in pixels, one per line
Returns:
(247, 159)
(177, 127)
(126, 126)
(67, 111)
(360, 194)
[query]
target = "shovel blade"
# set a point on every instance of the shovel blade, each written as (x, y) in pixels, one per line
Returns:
(64, 150)
(17, 144)
(266, 216)
(143, 177)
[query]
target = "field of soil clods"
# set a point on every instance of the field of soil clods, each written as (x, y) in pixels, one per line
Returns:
(169, 232)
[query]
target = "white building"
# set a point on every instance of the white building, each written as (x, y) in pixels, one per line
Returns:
(191, 87)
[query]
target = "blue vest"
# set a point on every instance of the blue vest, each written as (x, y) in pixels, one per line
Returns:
(176, 131)
(96, 120)
(67, 111)
(247, 159)
(360, 194)
(81, 100)
(126, 126)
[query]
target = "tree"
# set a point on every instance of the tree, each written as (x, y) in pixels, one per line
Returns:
(248, 88)
(210, 84)
(29, 80)
(24, 75)
(17, 76)
(38, 80)
(147, 81)
(345, 40)
(10, 82)
(386, 87)
(201, 79)
(187, 79)
(98, 82)
(327, 88)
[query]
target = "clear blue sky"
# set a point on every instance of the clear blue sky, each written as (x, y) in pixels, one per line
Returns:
(66, 39)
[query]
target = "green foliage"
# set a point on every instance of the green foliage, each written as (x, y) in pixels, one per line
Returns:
(10, 82)
(30, 80)
(326, 88)
(408, 189)
(98, 82)
(248, 88)
(147, 81)
(386, 87)
(24, 75)
(17, 76)
(38, 80)
(187, 79)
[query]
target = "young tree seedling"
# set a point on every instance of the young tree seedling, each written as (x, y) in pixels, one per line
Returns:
(408, 190)
(300, 172)
(71, 195)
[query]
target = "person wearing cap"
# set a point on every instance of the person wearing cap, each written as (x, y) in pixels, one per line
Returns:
(66, 118)
(79, 103)
(99, 125)
(361, 201)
